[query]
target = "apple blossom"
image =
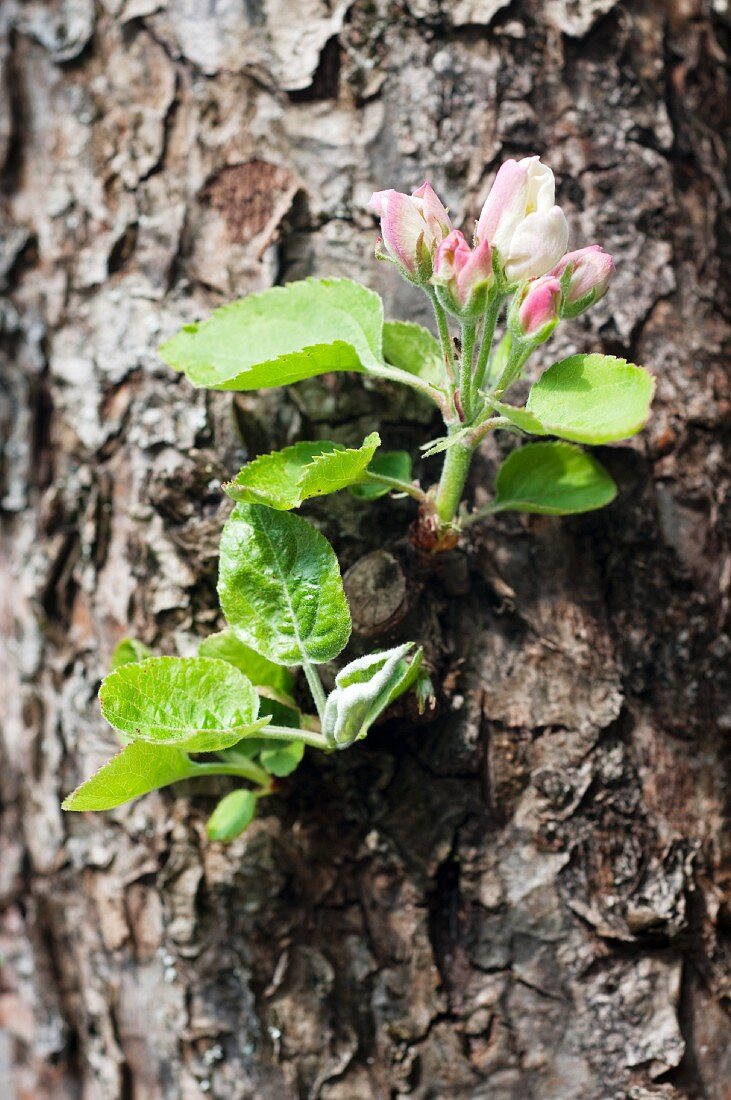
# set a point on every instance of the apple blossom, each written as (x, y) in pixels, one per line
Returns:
(540, 308)
(592, 270)
(463, 275)
(412, 226)
(522, 222)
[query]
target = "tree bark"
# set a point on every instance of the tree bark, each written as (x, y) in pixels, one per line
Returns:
(523, 896)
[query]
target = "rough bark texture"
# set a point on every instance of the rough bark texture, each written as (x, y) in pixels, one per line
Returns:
(523, 897)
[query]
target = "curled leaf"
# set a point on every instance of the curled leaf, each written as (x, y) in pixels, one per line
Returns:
(363, 690)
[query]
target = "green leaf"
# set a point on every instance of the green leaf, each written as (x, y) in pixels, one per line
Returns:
(587, 399)
(284, 759)
(136, 770)
(127, 652)
(284, 479)
(232, 815)
(388, 464)
(196, 703)
(555, 479)
(280, 587)
(413, 349)
(281, 714)
(329, 472)
(363, 690)
(252, 747)
(522, 419)
(225, 646)
(281, 336)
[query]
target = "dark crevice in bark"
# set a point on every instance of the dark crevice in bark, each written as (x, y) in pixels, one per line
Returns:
(326, 78)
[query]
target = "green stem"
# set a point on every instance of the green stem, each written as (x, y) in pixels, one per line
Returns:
(452, 482)
(481, 513)
(519, 354)
(395, 374)
(284, 733)
(469, 331)
(395, 483)
(491, 315)
(445, 339)
(318, 691)
(481, 428)
(245, 769)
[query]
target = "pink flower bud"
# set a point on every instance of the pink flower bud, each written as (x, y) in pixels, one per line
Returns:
(592, 271)
(540, 307)
(462, 274)
(412, 226)
(520, 219)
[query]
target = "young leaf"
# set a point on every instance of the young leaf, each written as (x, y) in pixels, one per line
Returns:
(329, 472)
(232, 815)
(396, 464)
(363, 690)
(196, 703)
(283, 759)
(284, 479)
(127, 652)
(590, 399)
(225, 646)
(280, 587)
(413, 349)
(281, 336)
(555, 479)
(137, 769)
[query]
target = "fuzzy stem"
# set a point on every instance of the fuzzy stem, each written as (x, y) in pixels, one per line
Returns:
(395, 374)
(318, 691)
(491, 315)
(395, 483)
(444, 337)
(284, 733)
(452, 482)
(481, 513)
(519, 354)
(469, 331)
(244, 769)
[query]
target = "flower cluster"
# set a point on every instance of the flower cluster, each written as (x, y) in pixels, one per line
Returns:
(519, 247)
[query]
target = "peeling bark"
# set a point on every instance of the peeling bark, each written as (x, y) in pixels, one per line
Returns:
(525, 895)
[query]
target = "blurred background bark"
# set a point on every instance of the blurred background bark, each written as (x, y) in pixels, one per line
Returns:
(523, 897)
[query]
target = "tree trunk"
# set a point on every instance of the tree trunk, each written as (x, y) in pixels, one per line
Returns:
(522, 896)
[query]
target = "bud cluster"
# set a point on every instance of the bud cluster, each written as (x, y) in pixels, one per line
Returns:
(519, 245)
